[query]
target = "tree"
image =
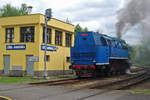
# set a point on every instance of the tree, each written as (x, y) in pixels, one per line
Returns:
(23, 10)
(8, 10)
(85, 29)
(141, 54)
(78, 28)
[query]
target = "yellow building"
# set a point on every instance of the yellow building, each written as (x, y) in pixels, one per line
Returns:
(22, 45)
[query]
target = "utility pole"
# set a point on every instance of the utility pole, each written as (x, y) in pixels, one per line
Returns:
(48, 15)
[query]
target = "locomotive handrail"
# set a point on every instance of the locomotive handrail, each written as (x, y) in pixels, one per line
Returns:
(82, 59)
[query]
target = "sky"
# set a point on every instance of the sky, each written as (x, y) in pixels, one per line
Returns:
(96, 15)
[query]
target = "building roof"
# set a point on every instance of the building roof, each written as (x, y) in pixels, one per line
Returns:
(35, 19)
(37, 14)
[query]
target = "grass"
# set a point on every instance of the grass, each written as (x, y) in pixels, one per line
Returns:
(146, 92)
(17, 79)
(30, 79)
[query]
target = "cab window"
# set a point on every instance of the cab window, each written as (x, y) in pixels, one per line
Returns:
(113, 44)
(120, 45)
(103, 41)
(124, 45)
(109, 42)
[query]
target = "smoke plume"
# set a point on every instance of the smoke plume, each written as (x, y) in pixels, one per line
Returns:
(135, 12)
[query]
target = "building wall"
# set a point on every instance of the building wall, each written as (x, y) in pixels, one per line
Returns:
(57, 58)
(18, 57)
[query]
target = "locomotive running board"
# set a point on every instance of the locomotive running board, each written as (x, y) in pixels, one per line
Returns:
(102, 63)
(117, 58)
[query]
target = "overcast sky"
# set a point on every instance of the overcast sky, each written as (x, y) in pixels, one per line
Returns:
(94, 14)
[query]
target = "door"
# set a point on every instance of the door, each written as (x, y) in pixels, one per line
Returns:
(102, 55)
(6, 64)
(102, 52)
(30, 66)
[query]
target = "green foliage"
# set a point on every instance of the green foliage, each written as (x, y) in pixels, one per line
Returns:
(8, 10)
(141, 54)
(78, 28)
(146, 92)
(23, 10)
(30, 79)
(17, 79)
(85, 29)
(132, 54)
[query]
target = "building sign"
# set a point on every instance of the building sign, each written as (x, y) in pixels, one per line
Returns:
(49, 48)
(16, 67)
(16, 47)
(34, 59)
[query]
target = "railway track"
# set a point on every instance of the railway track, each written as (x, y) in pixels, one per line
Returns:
(119, 85)
(56, 82)
(105, 87)
(122, 84)
(75, 81)
(137, 69)
(63, 82)
(105, 81)
(119, 82)
(136, 81)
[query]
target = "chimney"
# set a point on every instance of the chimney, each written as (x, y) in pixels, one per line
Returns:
(29, 9)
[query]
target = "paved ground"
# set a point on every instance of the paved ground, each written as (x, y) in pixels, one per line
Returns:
(28, 92)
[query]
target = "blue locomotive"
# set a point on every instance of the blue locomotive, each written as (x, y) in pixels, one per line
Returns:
(97, 54)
